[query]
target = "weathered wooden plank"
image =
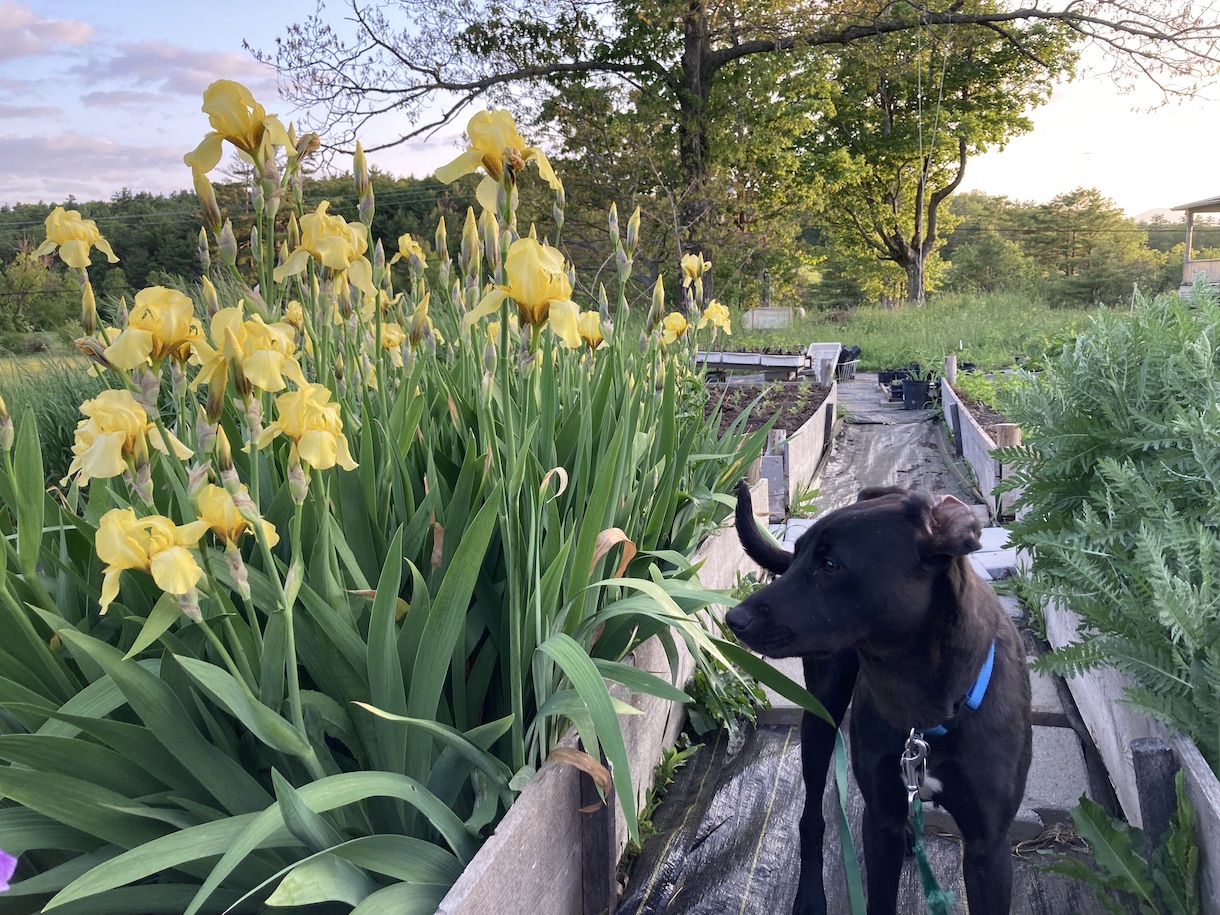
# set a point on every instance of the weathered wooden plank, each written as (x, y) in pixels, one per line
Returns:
(599, 856)
(1203, 789)
(806, 446)
(509, 874)
(1155, 767)
(1112, 725)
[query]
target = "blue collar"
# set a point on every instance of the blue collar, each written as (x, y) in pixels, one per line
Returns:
(973, 699)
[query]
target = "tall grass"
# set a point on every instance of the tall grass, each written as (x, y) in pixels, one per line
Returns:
(992, 331)
(53, 386)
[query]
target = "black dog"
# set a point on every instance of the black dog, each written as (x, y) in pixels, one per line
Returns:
(881, 602)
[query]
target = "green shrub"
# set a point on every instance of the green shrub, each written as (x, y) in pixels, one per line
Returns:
(1121, 473)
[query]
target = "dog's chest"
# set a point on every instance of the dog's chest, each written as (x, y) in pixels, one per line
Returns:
(931, 787)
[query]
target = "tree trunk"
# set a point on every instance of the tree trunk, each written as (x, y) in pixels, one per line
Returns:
(916, 287)
(693, 99)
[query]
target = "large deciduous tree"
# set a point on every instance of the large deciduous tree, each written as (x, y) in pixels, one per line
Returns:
(681, 66)
(906, 111)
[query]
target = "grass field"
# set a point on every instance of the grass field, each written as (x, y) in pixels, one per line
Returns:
(53, 386)
(994, 332)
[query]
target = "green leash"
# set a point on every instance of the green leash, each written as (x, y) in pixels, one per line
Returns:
(851, 865)
(938, 900)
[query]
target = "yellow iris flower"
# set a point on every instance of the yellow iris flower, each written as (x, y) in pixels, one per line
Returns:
(235, 116)
(153, 544)
(333, 243)
(589, 324)
(392, 337)
(294, 314)
(314, 425)
(115, 429)
(672, 327)
(74, 237)
(539, 285)
(218, 510)
(421, 324)
(693, 268)
(266, 352)
(716, 315)
(162, 323)
(409, 248)
(495, 141)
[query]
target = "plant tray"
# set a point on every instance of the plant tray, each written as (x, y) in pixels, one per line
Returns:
(748, 360)
(846, 371)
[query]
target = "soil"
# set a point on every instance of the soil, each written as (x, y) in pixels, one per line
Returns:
(983, 414)
(794, 402)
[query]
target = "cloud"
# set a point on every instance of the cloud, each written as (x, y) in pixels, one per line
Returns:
(24, 33)
(172, 69)
(89, 167)
(11, 86)
(9, 112)
(123, 99)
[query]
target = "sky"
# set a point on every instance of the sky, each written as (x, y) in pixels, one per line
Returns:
(95, 97)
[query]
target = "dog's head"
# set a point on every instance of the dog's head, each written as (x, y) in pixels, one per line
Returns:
(867, 572)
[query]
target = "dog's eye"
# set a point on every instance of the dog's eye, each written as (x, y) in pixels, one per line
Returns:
(829, 565)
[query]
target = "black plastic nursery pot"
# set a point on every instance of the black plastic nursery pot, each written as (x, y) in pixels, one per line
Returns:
(915, 394)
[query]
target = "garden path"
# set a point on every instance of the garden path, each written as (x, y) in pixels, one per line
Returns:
(727, 834)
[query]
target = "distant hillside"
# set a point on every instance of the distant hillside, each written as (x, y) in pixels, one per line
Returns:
(1164, 213)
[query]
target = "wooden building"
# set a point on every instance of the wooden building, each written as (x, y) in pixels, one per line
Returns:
(1209, 267)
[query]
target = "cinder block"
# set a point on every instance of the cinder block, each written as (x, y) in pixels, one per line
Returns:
(1057, 776)
(1045, 703)
(1057, 779)
(1012, 606)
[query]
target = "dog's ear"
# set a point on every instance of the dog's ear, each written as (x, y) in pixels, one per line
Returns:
(876, 492)
(953, 527)
(758, 546)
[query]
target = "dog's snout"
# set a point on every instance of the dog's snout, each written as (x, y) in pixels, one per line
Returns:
(741, 619)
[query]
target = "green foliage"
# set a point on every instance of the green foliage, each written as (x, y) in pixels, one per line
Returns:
(723, 697)
(1076, 250)
(987, 390)
(52, 387)
(804, 504)
(905, 112)
(1125, 865)
(672, 759)
(33, 297)
(1121, 499)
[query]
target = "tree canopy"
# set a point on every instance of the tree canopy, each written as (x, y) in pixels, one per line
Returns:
(698, 104)
(426, 60)
(905, 113)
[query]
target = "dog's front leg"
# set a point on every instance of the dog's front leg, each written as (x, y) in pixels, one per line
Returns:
(884, 850)
(831, 680)
(987, 869)
(874, 749)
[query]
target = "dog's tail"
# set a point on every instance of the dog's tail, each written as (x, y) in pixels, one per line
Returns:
(758, 543)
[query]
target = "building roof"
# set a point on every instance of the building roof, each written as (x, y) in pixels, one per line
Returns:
(1210, 205)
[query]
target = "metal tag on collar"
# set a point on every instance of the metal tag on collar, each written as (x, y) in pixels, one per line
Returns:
(914, 764)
